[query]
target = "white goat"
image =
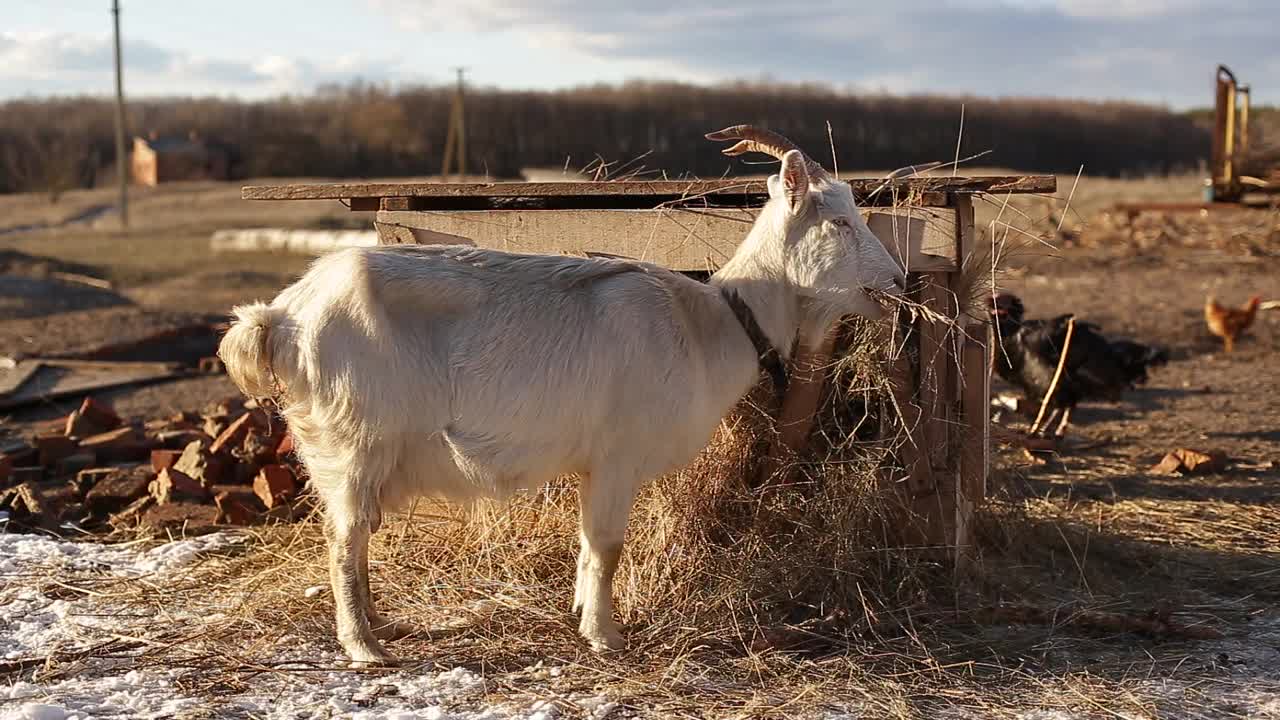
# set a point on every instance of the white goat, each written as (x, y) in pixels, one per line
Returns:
(461, 372)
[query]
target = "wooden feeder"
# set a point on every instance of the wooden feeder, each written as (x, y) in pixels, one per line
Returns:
(695, 226)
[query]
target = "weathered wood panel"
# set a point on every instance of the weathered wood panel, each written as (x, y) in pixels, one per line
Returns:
(923, 239)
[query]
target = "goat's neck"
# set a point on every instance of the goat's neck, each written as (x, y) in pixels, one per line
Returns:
(757, 275)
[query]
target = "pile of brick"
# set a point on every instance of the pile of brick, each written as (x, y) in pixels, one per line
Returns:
(231, 464)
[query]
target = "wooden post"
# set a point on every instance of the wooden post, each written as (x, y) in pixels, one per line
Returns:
(974, 390)
(933, 499)
(902, 423)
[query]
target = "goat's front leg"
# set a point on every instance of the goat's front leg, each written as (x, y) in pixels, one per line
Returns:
(606, 503)
(348, 573)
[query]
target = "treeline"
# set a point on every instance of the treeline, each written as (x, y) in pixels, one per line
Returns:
(647, 128)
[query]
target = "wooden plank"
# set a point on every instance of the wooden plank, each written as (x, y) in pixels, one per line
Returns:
(734, 190)
(365, 204)
(13, 378)
(55, 379)
(920, 239)
(678, 239)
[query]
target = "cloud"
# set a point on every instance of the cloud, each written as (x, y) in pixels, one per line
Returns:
(51, 63)
(1149, 50)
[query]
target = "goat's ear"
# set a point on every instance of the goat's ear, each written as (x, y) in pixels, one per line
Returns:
(795, 180)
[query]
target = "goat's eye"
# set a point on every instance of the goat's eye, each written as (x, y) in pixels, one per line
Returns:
(840, 222)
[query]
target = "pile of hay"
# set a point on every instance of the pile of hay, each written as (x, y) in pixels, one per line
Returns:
(716, 553)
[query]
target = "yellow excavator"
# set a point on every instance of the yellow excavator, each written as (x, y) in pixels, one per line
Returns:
(1235, 171)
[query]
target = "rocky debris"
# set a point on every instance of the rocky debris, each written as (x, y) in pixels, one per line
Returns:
(93, 470)
(27, 502)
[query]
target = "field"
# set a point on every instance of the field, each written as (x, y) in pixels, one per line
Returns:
(1093, 530)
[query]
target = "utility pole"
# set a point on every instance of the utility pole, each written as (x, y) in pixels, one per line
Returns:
(456, 140)
(122, 169)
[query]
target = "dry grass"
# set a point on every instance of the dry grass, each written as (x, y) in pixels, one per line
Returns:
(757, 596)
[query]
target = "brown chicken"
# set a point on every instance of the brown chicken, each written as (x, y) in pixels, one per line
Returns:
(1228, 322)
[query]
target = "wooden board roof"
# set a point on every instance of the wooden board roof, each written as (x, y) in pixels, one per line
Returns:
(625, 194)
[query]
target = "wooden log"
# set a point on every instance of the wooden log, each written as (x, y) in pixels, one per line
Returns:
(678, 239)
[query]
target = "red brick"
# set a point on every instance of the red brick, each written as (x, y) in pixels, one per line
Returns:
(161, 459)
(233, 508)
(114, 489)
(73, 464)
(274, 485)
(56, 426)
(92, 418)
(198, 463)
(214, 426)
(172, 485)
(179, 439)
(26, 474)
(233, 435)
(120, 445)
(53, 448)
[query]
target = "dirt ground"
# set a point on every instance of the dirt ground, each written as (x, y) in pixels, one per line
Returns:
(1150, 287)
(1203, 399)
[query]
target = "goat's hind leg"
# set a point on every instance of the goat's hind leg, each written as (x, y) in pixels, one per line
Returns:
(348, 552)
(606, 503)
(352, 513)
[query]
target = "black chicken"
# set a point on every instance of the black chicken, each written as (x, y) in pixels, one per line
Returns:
(1096, 368)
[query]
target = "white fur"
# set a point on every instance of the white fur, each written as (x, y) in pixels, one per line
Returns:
(462, 372)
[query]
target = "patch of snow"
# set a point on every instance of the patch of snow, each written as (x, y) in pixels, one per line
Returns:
(32, 625)
(309, 679)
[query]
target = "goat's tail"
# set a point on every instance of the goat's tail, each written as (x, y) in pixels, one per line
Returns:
(247, 349)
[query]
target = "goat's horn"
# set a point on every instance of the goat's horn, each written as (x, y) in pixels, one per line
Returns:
(753, 139)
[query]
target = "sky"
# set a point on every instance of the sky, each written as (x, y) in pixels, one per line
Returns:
(1156, 51)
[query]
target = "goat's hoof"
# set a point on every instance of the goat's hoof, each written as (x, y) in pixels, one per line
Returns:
(372, 660)
(604, 639)
(387, 630)
(369, 655)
